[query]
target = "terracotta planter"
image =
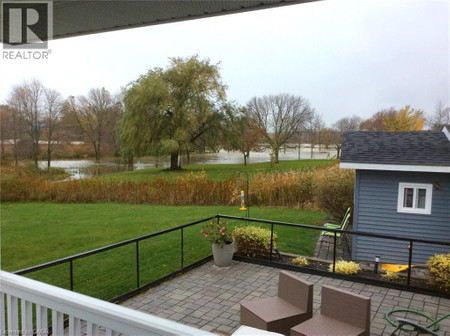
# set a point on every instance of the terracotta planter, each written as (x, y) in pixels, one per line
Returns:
(223, 255)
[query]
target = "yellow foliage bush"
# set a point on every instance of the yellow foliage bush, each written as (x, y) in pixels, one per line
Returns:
(345, 267)
(439, 267)
(390, 275)
(300, 261)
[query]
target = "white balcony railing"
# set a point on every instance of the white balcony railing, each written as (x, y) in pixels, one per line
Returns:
(94, 316)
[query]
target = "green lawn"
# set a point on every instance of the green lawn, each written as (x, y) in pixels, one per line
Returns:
(219, 171)
(34, 233)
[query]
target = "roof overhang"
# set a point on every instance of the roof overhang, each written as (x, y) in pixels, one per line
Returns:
(76, 18)
(393, 167)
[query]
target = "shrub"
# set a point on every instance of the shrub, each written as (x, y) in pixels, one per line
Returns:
(390, 276)
(439, 267)
(333, 190)
(300, 261)
(345, 267)
(252, 241)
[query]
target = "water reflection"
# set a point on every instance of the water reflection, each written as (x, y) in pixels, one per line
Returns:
(85, 168)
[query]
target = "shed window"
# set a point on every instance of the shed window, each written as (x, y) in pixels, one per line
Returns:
(414, 198)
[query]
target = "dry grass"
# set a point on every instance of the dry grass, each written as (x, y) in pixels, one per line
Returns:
(295, 188)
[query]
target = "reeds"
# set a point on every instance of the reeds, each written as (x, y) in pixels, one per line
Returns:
(188, 190)
(294, 188)
(291, 189)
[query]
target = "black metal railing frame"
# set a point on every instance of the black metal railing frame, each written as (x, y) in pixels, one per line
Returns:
(182, 268)
(135, 241)
(336, 231)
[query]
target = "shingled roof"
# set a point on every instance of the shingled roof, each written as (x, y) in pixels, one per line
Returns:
(398, 150)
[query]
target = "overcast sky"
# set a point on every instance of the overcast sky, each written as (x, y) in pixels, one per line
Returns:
(346, 57)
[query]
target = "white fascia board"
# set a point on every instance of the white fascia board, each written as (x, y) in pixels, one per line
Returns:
(412, 168)
(446, 132)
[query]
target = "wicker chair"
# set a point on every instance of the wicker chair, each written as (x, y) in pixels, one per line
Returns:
(342, 313)
(292, 306)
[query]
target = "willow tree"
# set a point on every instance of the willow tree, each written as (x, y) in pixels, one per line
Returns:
(167, 110)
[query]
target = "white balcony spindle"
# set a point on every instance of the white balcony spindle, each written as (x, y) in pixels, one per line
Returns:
(13, 313)
(2, 312)
(110, 332)
(57, 323)
(27, 317)
(74, 326)
(41, 321)
(92, 329)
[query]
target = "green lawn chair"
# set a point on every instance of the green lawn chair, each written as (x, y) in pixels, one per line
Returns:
(327, 236)
(343, 224)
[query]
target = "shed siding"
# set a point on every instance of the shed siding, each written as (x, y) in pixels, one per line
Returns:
(376, 196)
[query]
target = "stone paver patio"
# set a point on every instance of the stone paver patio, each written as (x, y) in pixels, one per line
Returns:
(208, 297)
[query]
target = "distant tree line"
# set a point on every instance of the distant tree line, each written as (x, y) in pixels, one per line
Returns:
(37, 117)
(178, 110)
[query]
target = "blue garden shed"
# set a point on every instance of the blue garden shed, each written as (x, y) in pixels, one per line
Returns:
(402, 188)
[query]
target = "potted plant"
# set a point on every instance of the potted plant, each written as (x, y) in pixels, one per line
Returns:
(222, 242)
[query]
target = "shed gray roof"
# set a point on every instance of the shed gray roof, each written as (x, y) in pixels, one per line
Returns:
(422, 148)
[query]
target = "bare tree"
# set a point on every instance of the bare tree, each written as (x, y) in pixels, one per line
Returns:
(34, 91)
(353, 123)
(440, 117)
(279, 117)
(27, 100)
(52, 112)
(327, 136)
(15, 104)
(96, 114)
(4, 128)
(314, 125)
(241, 133)
(12, 128)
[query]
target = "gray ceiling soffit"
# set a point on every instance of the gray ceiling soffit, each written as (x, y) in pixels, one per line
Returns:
(76, 18)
